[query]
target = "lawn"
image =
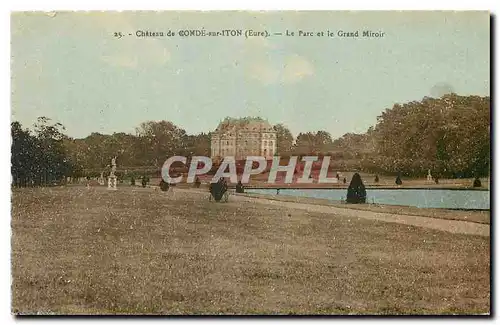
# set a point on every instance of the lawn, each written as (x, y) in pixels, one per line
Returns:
(139, 251)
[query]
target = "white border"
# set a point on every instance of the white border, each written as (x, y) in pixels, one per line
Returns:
(49, 5)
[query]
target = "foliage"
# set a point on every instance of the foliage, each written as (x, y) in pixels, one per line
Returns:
(448, 135)
(38, 157)
(310, 143)
(284, 139)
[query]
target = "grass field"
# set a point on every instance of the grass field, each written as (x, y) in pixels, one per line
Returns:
(139, 251)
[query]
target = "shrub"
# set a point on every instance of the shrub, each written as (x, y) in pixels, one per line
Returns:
(197, 182)
(240, 188)
(356, 192)
(164, 186)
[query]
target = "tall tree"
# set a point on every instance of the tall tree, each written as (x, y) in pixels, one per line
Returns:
(161, 139)
(284, 139)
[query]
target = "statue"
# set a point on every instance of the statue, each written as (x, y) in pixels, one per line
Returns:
(113, 166)
(112, 177)
(101, 179)
(429, 176)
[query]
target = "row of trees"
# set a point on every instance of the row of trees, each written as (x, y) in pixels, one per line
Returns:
(448, 135)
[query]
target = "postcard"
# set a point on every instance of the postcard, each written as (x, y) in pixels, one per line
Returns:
(250, 163)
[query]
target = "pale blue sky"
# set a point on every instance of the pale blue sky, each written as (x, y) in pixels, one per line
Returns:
(70, 68)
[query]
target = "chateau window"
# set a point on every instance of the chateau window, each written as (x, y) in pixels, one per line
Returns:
(271, 142)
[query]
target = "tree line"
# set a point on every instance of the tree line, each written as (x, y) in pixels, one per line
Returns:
(448, 135)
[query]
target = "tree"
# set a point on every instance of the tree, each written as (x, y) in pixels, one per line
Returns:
(39, 158)
(160, 140)
(198, 145)
(449, 135)
(284, 139)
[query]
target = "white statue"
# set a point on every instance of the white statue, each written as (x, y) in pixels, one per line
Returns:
(101, 179)
(112, 177)
(113, 166)
(429, 176)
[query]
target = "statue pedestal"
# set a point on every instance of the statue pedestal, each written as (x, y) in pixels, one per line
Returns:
(112, 183)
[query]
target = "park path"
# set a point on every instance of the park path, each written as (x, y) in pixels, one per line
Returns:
(453, 226)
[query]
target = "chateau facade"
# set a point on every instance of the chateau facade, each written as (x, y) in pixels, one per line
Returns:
(243, 137)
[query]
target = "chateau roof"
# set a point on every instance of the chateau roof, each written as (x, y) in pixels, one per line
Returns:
(244, 124)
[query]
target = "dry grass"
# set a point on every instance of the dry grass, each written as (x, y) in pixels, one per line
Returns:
(138, 251)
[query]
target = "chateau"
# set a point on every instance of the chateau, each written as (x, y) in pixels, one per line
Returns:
(243, 137)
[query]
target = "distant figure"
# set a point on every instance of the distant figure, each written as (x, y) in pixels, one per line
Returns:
(197, 182)
(163, 186)
(144, 181)
(376, 179)
(338, 176)
(356, 192)
(477, 182)
(436, 180)
(278, 191)
(398, 180)
(240, 188)
(345, 180)
(132, 181)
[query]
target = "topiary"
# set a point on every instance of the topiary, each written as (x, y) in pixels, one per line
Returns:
(477, 182)
(398, 180)
(164, 186)
(356, 192)
(132, 181)
(240, 188)
(376, 179)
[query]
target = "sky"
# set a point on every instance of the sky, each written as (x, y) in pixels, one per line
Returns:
(68, 66)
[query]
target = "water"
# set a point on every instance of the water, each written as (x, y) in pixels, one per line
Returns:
(421, 198)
